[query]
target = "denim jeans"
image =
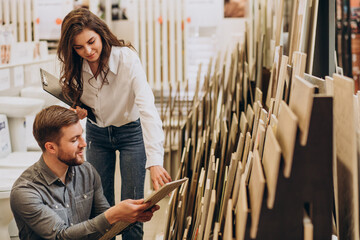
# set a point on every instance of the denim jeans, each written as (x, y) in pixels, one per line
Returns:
(101, 146)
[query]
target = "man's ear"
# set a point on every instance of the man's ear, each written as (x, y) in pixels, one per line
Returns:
(51, 147)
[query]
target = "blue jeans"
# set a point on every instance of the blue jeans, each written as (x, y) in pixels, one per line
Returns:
(101, 146)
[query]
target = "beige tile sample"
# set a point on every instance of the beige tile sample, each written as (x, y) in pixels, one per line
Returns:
(308, 227)
(329, 85)
(298, 65)
(246, 149)
(301, 102)
(250, 117)
(346, 156)
(216, 231)
(236, 188)
(242, 211)
(243, 123)
(154, 198)
(228, 227)
(281, 84)
(210, 214)
(271, 162)
(286, 135)
(256, 192)
(317, 82)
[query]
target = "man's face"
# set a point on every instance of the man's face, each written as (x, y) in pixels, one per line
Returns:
(71, 145)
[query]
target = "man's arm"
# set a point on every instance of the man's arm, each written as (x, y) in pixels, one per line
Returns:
(27, 205)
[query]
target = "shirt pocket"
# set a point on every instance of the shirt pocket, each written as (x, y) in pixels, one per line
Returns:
(60, 211)
(84, 204)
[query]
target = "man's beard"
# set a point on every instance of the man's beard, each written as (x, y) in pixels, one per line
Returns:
(70, 161)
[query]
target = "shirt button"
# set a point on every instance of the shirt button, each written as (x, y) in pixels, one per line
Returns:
(71, 224)
(56, 206)
(67, 205)
(85, 196)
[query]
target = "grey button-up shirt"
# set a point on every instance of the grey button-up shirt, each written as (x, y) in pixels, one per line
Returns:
(46, 208)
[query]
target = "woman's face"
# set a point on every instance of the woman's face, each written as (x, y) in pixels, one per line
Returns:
(88, 45)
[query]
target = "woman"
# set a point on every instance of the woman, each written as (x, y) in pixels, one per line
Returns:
(106, 75)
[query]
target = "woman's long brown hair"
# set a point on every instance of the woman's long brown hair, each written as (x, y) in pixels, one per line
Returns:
(73, 24)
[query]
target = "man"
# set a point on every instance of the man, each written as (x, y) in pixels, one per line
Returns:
(60, 196)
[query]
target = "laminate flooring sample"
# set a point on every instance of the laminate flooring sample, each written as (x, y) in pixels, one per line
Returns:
(153, 198)
(346, 157)
(271, 162)
(301, 102)
(286, 135)
(256, 193)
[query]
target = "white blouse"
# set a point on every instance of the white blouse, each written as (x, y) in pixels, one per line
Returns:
(125, 98)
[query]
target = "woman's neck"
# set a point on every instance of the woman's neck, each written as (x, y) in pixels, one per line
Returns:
(94, 67)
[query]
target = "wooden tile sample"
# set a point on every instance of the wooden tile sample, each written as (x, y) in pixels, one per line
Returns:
(317, 82)
(228, 227)
(242, 211)
(257, 111)
(154, 198)
(259, 141)
(273, 123)
(287, 83)
(236, 188)
(216, 231)
(258, 95)
(229, 185)
(248, 167)
(250, 117)
(256, 192)
(346, 156)
(246, 149)
(308, 227)
(314, 6)
(301, 102)
(240, 147)
(234, 128)
(243, 123)
(264, 116)
(286, 135)
(204, 210)
(281, 84)
(279, 16)
(298, 65)
(271, 162)
(329, 85)
(210, 215)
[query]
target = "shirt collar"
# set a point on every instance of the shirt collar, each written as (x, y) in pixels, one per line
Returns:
(49, 176)
(113, 62)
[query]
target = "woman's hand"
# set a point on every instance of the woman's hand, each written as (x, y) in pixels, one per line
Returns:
(159, 176)
(81, 112)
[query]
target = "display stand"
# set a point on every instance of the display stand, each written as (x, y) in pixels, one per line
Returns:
(309, 188)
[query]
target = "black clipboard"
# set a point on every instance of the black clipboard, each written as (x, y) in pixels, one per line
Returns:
(51, 85)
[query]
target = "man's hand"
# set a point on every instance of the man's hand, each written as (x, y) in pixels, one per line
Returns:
(159, 176)
(81, 112)
(130, 211)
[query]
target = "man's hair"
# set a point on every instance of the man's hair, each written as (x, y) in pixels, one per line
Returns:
(49, 122)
